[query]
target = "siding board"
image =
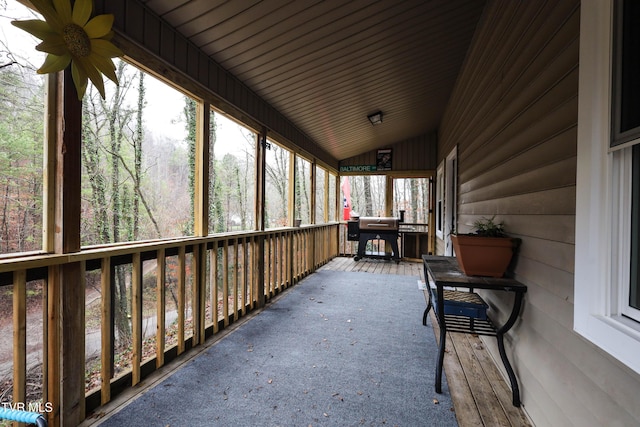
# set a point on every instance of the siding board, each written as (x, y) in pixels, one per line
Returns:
(555, 175)
(522, 155)
(554, 280)
(584, 377)
(560, 201)
(511, 121)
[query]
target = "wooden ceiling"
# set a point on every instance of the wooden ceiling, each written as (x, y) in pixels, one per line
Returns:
(326, 65)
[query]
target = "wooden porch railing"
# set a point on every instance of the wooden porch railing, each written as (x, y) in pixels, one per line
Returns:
(211, 282)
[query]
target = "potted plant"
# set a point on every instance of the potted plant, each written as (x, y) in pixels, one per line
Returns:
(487, 251)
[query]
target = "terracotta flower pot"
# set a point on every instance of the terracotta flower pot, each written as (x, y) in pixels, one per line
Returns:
(483, 256)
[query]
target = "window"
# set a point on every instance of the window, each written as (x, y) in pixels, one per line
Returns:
(276, 186)
(320, 195)
(302, 191)
(626, 106)
(232, 176)
(411, 195)
(606, 278)
(634, 282)
(333, 214)
(136, 151)
(626, 128)
(367, 194)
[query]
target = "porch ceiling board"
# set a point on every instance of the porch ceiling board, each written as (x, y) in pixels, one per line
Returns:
(326, 65)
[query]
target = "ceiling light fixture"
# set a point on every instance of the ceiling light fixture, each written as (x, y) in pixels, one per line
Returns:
(375, 118)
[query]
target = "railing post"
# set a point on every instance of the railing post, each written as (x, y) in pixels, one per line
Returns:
(107, 335)
(181, 297)
(260, 297)
(19, 336)
(199, 292)
(136, 317)
(160, 306)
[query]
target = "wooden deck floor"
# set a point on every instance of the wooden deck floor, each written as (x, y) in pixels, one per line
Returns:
(480, 395)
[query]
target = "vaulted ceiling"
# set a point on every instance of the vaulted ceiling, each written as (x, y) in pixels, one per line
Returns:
(326, 65)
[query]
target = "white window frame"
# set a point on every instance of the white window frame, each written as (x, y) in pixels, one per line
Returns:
(440, 201)
(451, 199)
(603, 189)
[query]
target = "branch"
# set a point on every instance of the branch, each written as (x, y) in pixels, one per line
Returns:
(137, 190)
(8, 65)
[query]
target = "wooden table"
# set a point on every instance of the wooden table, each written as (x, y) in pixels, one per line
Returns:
(465, 311)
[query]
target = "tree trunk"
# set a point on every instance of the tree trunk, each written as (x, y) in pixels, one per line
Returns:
(368, 198)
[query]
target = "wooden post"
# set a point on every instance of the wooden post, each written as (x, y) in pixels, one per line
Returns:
(292, 189)
(66, 293)
(225, 281)
(213, 260)
(261, 146)
(136, 317)
(236, 282)
(160, 306)
(257, 246)
(181, 297)
(200, 281)
(326, 197)
(107, 331)
(19, 336)
(201, 188)
(312, 214)
(259, 254)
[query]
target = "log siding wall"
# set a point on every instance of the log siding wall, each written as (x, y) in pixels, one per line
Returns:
(513, 117)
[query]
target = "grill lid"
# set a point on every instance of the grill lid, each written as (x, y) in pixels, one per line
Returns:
(379, 223)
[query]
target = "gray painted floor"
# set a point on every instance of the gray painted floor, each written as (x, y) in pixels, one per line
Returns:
(337, 349)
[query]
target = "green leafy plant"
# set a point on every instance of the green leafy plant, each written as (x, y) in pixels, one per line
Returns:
(488, 227)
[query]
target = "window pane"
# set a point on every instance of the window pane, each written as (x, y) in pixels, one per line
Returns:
(233, 177)
(367, 194)
(630, 89)
(626, 66)
(276, 186)
(21, 134)
(332, 197)
(634, 290)
(137, 153)
(320, 194)
(412, 196)
(303, 191)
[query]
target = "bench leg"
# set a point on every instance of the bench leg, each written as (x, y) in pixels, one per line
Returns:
(512, 376)
(441, 346)
(426, 313)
